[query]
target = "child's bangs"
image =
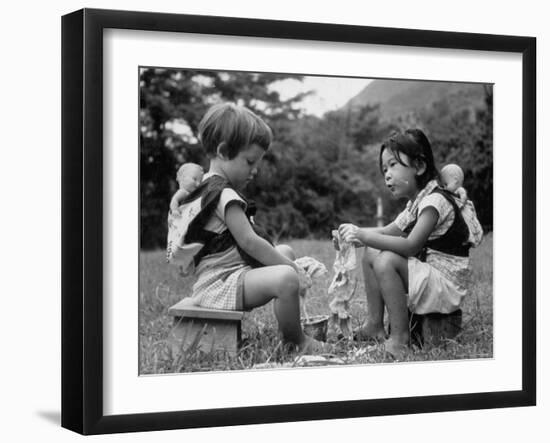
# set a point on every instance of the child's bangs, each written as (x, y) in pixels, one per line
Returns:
(396, 149)
(261, 134)
(402, 144)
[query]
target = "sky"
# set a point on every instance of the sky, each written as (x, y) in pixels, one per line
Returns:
(330, 92)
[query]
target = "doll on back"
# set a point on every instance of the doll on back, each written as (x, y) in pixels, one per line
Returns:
(452, 179)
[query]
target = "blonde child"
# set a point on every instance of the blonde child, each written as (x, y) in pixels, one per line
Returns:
(189, 177)
(237, 268)
(419, 262)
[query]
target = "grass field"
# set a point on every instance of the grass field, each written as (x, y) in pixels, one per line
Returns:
(161, 287)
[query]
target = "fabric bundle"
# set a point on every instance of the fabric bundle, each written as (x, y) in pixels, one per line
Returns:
(344, 283)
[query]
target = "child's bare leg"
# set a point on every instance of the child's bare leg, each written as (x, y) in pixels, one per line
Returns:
(288, 252)
(280, 283)
(285, 309)
(375, 303)
(392, 273)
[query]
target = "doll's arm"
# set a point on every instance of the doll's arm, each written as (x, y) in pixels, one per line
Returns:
(462, 194)
(177, 199)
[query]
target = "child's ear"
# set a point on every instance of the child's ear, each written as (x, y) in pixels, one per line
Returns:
(221, 151)
(420, 167)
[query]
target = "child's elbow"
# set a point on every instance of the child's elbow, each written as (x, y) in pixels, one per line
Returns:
(247, 242)
(412, 249)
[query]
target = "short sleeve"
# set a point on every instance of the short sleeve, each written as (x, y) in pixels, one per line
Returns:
(217, 221)
(403, 219)
(443, 208)
(228, 196)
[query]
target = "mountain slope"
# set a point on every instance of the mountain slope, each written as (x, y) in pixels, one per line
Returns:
(400, 97)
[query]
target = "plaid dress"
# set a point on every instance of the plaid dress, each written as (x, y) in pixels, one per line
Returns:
(220, 284)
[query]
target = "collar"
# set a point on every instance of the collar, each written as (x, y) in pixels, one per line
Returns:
(412, 206)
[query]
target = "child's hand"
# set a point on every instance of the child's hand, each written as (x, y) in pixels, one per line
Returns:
(349, 233)
(311, 266)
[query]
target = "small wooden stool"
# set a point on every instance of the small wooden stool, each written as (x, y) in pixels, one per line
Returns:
(435, 328)
(209, 330)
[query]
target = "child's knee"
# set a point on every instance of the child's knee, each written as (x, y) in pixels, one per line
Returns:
(287, 251)
(369, 256)
(384, 261)
(289, 284)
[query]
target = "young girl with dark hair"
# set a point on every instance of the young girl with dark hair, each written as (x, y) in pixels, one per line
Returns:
(419, 262)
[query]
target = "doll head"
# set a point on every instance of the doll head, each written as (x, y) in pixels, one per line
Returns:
(452, 177)
(189, 176)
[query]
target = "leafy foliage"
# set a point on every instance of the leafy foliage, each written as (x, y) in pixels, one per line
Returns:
(320, 172)
(170, 98)
(465, 137)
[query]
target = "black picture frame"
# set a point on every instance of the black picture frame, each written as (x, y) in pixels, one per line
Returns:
(82, 220)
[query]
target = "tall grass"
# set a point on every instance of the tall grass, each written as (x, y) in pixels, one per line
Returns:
(161, 286)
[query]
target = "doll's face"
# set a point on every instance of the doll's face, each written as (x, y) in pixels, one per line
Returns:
(450, 183)
(191, 179)
(452, 177)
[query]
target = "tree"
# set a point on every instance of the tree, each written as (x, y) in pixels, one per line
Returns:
(465, 137)
(172, 102)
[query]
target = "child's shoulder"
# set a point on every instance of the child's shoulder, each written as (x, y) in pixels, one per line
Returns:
(229, 194)
(229, 197)
(220, 191)
(438, 200)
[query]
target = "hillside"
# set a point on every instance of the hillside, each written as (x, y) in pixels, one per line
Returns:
(400, 97)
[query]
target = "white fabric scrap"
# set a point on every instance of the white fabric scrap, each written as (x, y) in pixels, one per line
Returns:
(314, 268)
(344, 282)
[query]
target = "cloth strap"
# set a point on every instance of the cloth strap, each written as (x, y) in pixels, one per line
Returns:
(210, 191)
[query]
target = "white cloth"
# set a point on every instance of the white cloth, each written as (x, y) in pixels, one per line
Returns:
(178, 221)
(313, 267)
(309, 268)
(469, 214)
(344, 282)
(431, 291)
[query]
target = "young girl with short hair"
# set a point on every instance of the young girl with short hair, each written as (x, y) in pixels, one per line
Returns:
(238, 268)
(420, 261)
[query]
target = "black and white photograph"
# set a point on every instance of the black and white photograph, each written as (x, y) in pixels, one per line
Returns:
(289, 220)
(275, 221)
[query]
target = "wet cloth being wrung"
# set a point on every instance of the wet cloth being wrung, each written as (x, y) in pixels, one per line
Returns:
(344, 283)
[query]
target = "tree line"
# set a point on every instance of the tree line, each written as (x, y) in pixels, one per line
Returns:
(319, 172)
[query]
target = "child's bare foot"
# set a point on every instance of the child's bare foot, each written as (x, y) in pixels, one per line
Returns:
(397, 349)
